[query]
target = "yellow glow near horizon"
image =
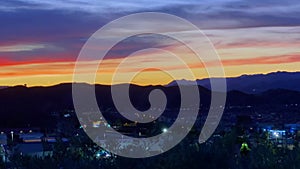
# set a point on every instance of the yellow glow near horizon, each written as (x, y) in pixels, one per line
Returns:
(147, 78)
(241, 53)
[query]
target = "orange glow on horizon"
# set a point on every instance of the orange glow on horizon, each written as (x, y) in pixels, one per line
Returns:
(238, 52)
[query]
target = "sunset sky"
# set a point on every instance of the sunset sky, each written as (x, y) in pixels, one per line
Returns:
(40, 40)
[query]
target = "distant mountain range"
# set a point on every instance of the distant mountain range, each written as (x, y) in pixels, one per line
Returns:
(253, 84)
(21, 105)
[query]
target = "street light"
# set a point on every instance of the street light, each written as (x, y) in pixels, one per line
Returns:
(98, 155)
(164, 130)
(276, 134)
(12, 136)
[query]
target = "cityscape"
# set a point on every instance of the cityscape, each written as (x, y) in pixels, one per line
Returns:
(150, 84)
(266, 129)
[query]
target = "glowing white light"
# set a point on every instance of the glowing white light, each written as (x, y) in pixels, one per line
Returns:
(98, 155)
(276, 134)
(164, 130)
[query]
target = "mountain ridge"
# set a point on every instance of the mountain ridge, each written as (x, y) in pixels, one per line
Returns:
(21, 105)
(252, 84)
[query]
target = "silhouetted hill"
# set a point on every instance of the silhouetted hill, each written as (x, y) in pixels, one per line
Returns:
(21, 105)
(255, 83)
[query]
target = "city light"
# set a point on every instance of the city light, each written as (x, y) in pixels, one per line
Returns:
(98, 155)
(12, 135)
(164, 130)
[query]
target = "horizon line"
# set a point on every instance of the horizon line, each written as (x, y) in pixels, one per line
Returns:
(136, 84)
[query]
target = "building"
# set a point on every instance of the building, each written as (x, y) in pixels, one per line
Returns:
(32, 137)
(3, 139)
(278, 137)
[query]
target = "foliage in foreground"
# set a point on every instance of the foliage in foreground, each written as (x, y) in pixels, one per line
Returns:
(221, 154)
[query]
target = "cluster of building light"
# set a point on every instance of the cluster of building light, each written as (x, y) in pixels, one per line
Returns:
(276, 134)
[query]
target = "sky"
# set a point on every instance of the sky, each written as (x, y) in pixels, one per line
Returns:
(41, 40)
